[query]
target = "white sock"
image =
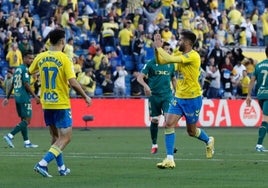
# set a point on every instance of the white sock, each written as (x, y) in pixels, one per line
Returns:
(62, 167)
(27, 142)
(170, 157)
(42, 163)
(10, 135)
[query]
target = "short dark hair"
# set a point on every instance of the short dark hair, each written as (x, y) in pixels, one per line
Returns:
(165, 44)
(266, 51)
(189, 35)
(27, 52)
(55, 35)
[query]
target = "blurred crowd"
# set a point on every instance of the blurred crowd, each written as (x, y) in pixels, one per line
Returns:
(109, 41)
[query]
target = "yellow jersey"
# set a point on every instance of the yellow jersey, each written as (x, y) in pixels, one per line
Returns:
(188, 69)
(55, 70)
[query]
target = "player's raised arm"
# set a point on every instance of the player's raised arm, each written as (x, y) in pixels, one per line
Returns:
(162, 56)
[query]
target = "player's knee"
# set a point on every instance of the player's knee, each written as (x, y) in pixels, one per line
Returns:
(191, 132)
(155, 120)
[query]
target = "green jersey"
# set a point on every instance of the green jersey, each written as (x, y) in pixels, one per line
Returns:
(261, 74)
(159, 77)
(20, 77)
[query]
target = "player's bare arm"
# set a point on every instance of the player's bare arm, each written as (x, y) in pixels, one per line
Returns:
(76, 86)
(250, 87)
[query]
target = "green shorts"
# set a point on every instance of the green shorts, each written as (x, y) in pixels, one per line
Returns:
(159, 104)
(24, 110)
(264, 106)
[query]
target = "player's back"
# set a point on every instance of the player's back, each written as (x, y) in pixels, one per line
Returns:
(55, 70)
(261, 74)
(19, 78)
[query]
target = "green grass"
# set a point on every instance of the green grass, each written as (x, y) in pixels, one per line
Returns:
(121, 158)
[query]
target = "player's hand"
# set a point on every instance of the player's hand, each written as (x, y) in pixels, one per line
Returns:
(88, 101)
(147, 91)
(5, 102)
(248, 100)
(37, 99)
(158, 41)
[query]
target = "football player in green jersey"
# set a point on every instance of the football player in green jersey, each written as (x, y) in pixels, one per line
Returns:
(159, 91)
(260, 78)
(22, 95)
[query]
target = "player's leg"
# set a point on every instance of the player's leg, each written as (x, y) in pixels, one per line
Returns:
(26, 113)
(61, 136)
(9, 137)
(264, 126)
(193, 106)
(172, 118)
(155, 111)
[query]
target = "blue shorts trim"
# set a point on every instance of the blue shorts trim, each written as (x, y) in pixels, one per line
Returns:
(61, 118)
(189, 108)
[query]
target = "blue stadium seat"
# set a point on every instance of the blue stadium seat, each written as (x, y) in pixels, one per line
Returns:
(109, 49)
(149, 53)
(128, 62)
(98, 91)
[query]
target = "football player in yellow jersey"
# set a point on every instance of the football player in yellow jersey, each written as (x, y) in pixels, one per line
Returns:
(187, 101)
(56, 71)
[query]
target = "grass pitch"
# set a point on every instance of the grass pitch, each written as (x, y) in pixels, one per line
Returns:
(121, 158)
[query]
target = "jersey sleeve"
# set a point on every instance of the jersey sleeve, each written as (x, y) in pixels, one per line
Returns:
(68, 68)
(34, 66)
(164, 58)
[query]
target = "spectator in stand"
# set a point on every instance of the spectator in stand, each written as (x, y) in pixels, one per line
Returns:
(77, 66)
(105, 67)
(3, 21)
(185, 19)
(135, 87)
(109, 33)
(138, 51)
(46, 28)
(92, 47)
(245, 83)
(119, 81)
(242, 38)
(7, 82)
(249, 63)
(97, 58)
(217, 53)
(166, 34)
(14, 56)
(264, 18)
(38, 43)
(25, 45)
(250, 31)
(69, 48)
(87, 81)
(107, 85)
(239, 68)
(227, 85)
(234, 16)
(27, 19)
(89, 63)
(222, 34)
(125, 36)
(173, 42)
(214, 88)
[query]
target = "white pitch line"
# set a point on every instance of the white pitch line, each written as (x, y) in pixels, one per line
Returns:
(127, 156)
